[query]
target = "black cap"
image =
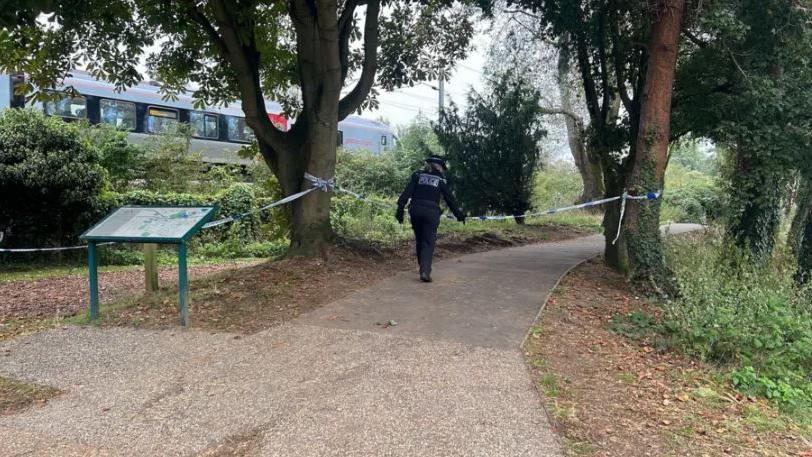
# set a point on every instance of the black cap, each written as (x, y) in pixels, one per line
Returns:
(438, 160)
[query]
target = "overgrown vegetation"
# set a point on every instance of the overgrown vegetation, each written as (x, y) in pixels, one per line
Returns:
(747, 317)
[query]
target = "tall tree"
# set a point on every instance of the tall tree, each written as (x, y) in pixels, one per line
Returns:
(494, 146)
(521, 45)
(744, 82)
(302, 53)
(589, 166)
(651, 152)
(604, 37)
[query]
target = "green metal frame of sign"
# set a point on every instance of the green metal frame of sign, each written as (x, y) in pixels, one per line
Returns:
(183, 277)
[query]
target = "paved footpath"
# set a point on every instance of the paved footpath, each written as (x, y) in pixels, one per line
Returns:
(448, 380)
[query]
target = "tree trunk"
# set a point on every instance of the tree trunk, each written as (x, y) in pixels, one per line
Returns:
(316, 130)
(757, 207)
(588, 165)
(805, 245)
(803, 206)
(615, 253)
(642, 224)
(311, 232)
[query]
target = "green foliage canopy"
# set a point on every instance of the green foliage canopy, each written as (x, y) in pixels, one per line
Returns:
(493, 147)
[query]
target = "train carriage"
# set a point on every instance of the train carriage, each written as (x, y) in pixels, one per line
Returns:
(217, 132)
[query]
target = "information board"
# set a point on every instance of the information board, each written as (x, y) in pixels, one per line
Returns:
(150, 224)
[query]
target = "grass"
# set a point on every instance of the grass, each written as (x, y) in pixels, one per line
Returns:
(32, 272)
(17, 395)
(578, 219)
(35, 271)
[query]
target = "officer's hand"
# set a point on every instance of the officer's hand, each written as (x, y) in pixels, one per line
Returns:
(399, 215)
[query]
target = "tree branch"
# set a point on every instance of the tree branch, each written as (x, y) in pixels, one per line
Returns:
(695, 39)
(345, 25)
(526, 13)
(569, 113)
(603, 66)
(617, 57)
(590, 92)
(356, 97)
(244, 60)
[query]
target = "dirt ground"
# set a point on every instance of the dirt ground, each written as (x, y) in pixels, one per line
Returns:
(239, 297)
(610, 395)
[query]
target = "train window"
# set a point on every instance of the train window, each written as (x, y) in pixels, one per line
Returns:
(117, 113)
(159, 120)
(67, 106)
(340, 138)
(383, 140)
(238, 130)
(203, 125)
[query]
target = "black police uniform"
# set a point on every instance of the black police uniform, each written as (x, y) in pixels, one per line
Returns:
(424, 191)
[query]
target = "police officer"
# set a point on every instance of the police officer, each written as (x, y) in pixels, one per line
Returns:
(424, 190)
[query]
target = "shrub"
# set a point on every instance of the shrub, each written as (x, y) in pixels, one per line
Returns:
(169, 164)
(122, 160)
(370, 220)
(557, 185)
(51, 181)
(239, 199)
(416, 141)
(748, 317)
(362, 171)
(691, 196)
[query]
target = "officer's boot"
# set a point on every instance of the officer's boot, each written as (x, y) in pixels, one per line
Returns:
(425, 277)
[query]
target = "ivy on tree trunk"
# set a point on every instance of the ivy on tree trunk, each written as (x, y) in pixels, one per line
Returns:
(642, 222)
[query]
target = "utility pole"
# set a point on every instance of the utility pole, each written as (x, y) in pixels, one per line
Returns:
(441, 90)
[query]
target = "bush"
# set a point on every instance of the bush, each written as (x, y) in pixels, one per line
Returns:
(750, 318)
(51, 181)
(169, 164)
(494, 147)
(371, 219)
(557, 185)
(239, 199)
(122, 160)
(234, 249)
(691, 196)
(416, 142)
(364, 172)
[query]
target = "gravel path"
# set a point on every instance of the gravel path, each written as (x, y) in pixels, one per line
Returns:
(344, 387)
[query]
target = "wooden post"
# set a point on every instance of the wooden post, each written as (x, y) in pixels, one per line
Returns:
(151, 267)
(183, 285)
(93, 278)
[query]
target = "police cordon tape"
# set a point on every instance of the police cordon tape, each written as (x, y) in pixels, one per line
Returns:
(326, 185)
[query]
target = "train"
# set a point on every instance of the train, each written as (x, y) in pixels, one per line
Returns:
(218, 132)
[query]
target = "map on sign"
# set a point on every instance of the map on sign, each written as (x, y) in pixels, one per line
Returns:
(134, 222)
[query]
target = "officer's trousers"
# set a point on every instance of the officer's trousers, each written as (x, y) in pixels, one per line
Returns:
(425, 220)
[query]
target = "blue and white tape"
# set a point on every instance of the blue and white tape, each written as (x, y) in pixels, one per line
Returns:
(61, 248)
(326, 185)
(625, 196)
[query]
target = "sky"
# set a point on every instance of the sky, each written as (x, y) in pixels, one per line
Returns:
(401, 106)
